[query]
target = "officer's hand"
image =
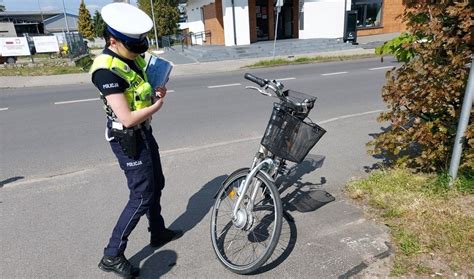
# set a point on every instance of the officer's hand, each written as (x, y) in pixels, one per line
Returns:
(161, 92)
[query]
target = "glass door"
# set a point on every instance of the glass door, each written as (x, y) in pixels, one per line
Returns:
(261, 10)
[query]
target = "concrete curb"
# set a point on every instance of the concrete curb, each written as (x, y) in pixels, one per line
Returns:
(178, 70)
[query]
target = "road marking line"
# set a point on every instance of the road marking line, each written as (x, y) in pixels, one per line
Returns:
(224, 85)
(381, 68)
(89, 100)
(349, 116)
(3, 109)
(290, 78)
(196, 148)
(332, 74)
(76, 101)
(175, 150)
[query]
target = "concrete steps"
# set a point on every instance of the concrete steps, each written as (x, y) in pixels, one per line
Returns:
(264, 49)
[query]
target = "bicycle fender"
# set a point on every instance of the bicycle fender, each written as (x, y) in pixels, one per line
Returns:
(230, 175)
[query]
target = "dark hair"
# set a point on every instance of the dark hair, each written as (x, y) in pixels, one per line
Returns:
(107, 36)
(136, 48)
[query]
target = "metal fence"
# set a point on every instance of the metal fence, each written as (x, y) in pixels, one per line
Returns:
(185, 40)
(76, 46)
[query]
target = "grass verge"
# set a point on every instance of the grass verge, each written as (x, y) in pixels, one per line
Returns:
(432, 226)
(45, 70)
(306, 60)
(46, 67)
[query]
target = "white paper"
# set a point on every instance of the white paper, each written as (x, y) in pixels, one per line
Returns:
(158, 71)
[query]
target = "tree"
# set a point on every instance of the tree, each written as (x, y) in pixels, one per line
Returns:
(98, 24)
(166, 16)
(2, 8)
(85, 23)
(424, 95)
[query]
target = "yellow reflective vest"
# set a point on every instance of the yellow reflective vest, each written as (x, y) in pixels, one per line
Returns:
(139, 92)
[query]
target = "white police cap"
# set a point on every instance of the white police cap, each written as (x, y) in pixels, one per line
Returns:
(127, 20)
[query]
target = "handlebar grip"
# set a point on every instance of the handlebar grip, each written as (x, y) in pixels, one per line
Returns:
(261, 82)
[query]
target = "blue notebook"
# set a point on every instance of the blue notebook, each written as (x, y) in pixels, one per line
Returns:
(158, 71)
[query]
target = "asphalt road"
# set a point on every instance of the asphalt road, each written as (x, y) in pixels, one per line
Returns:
(50, 131)
(62, 189)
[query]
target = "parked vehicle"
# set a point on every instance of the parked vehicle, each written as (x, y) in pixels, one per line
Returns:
(7, 29)
(8, 59)
(13, 59)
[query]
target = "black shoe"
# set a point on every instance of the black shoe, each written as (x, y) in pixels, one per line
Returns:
(163, 237)
(119, 265)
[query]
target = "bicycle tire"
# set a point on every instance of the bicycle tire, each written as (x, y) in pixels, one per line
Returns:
(254, 234)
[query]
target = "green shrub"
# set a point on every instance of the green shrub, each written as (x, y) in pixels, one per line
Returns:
(400, 47)
(84, 62)
(424, 96)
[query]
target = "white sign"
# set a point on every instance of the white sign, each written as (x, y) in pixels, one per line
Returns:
(46, 44)
(14, 46)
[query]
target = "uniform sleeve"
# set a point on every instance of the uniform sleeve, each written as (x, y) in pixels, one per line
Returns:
(108, 82)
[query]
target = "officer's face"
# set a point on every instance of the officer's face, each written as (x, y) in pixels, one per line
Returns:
(119, 48)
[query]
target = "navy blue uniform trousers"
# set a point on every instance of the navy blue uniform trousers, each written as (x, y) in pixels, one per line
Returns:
(145, 181)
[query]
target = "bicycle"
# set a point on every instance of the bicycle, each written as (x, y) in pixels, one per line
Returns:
(247, 214)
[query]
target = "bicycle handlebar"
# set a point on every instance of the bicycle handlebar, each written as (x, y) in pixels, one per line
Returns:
(303, 105)
(261, 82)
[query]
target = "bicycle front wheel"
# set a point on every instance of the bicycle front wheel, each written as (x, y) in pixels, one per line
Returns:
(244, 244)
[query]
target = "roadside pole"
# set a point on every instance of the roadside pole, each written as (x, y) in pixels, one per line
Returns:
(28, 45)
(279, 3)
(462, 126)
(154, 24)
(65, 17)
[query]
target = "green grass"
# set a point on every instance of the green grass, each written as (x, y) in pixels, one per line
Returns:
(40, 71)
(409, 242)
(432, 225)
(44, 66)
(306, 60)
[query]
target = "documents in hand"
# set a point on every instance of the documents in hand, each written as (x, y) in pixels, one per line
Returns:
(158, 71)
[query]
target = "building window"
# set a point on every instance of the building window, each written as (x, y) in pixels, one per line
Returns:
(369, 13)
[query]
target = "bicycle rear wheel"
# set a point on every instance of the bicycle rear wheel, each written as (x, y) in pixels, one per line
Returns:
(245, 245)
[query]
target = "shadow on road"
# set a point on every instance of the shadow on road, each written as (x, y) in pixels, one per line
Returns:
(285, 245)
(197, 208)
(10, 180)
(198, 205)
(386, 158)
(302, 197)
(158, 264)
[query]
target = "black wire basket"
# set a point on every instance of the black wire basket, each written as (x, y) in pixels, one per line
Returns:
(289, 137)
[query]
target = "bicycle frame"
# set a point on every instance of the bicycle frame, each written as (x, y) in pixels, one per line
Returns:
(249, 195)
(271, 168)
(263, 159)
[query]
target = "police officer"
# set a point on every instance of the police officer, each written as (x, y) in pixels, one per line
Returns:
(129, 103)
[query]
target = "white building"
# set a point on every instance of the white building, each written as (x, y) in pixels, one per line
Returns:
(241, 22)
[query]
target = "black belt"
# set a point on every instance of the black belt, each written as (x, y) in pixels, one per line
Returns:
(145, 125)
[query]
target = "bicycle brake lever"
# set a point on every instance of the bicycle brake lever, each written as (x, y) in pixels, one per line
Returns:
(263, 92)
